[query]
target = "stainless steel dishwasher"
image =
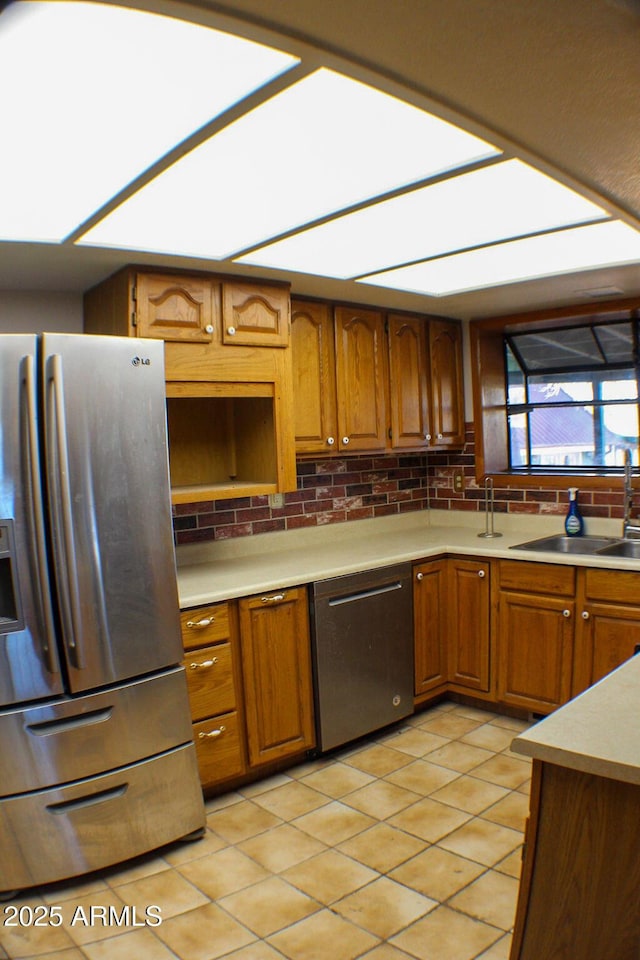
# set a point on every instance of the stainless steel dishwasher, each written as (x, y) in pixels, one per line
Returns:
(362, 636)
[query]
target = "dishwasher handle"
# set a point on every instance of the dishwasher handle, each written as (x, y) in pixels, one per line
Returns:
(365, 594)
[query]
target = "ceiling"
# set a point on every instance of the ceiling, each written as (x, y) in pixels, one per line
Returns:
(556, 84)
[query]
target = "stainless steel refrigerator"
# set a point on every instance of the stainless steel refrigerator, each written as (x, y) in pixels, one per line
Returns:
(97, 762)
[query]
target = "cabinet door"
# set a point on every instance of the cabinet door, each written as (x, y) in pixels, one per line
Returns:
(276, 664)
(408, 382)
(255, 315)
(173, 307)
(447, 393)
(430, 625)
(535, 650)
(469, 602)
(361, 373)
(314, 377)
(608, 635)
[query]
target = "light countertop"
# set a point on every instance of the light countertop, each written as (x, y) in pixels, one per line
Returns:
(598, 732)
(221, 570)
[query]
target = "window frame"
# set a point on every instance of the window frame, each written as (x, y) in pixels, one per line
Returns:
(489, 391)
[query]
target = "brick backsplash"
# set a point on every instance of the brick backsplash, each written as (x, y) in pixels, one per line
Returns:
(357, 487)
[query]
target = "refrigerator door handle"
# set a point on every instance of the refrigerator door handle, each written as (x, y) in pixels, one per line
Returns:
(35, 508)
(63, 540)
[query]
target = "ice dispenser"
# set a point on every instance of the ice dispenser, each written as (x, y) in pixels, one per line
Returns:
(10, 616)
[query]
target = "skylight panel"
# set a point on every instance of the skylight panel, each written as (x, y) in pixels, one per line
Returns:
(93, 94)
(320, 146)
(494, 203)
(566, 251)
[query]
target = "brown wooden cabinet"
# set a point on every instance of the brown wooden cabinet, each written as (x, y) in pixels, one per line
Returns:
(452, 627)
(182, 308)
(367, 381)
(469, 611)
(361, 378)
(229, 394)
(276, 667)
(578, 896)
(248, 668)
(607, 624)
(535, 640)
(209, 636)
(255, 314)
(408, 382)
(447, 390)
(430, 626)
(314, 377)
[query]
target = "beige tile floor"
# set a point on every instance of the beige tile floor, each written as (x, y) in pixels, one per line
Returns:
(403, 847)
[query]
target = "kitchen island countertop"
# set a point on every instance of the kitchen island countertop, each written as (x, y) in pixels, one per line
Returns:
(221, 570)
(598, 732)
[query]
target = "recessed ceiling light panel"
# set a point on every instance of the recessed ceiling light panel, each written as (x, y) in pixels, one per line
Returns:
(93, 94)
(566, 251)
(507, 199)
(325, 143)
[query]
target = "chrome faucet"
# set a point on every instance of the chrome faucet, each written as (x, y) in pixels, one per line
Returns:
(630, 530)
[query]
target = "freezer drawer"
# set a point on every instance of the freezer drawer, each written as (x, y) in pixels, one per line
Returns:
(72, 738)
(99, 821)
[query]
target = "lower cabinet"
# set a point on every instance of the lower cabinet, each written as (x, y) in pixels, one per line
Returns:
(430, 626)
(276, 668)
(469, 609)
(210, 640)
(535, 634)
(560, 629)
(608, 623)
(452, 626)
(248, 666)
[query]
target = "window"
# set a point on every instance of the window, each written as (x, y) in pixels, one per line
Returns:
(572, 396)
(556, 392)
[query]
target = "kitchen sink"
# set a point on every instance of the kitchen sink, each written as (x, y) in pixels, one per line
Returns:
(622, 548)
(581, 545)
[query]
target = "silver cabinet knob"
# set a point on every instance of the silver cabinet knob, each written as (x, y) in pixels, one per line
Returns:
(482, 573)
(440, 435)
(331, 441)
(419, 576)
(427, 437)
(208, 328)
(566, 613)
(345, 441)
(585, 614)
(231, 331)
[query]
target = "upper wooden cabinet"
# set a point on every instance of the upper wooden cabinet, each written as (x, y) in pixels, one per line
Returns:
(408, 382)
(447, 390)
(175, 308)
(255, 314)
(229, 395)
(361, 377)
(314, 377)
(368, 382)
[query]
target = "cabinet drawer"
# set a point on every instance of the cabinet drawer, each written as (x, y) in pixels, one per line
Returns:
(204, 625)
(526, 577)
(613, 586)
(210, 681)
(218, 748)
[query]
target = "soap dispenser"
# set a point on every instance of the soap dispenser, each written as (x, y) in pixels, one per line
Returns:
(574, 524)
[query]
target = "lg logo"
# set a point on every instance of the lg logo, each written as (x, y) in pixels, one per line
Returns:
(141, 362)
